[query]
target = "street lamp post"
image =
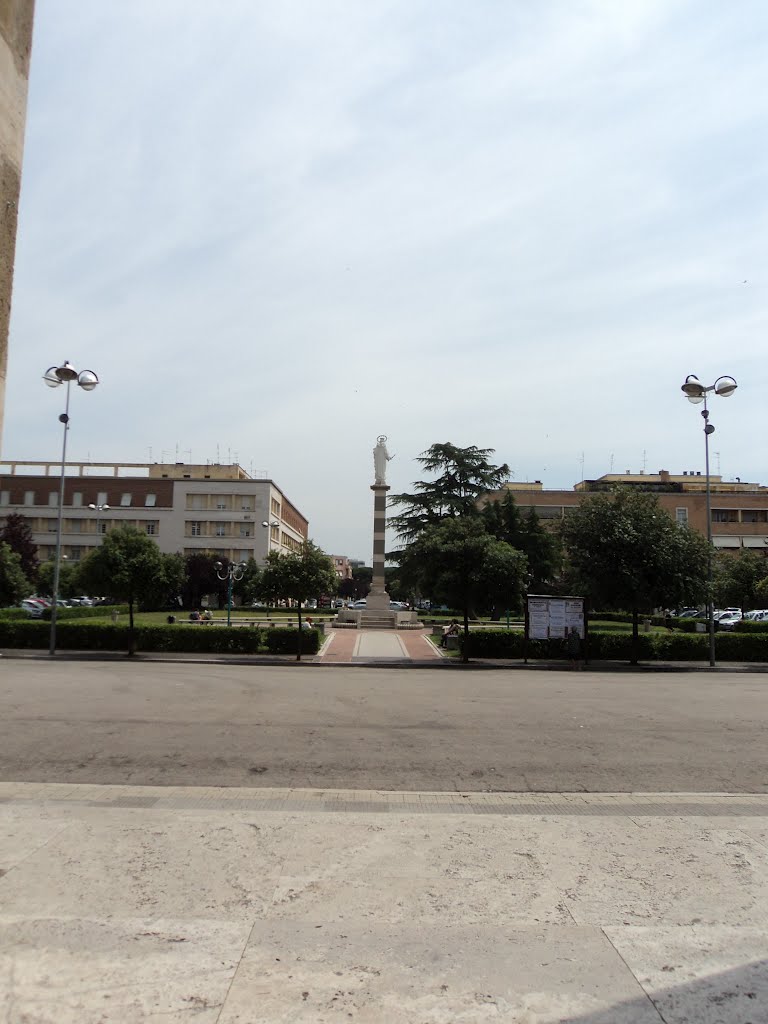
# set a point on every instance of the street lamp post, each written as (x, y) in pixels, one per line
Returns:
(231, 572)
(87, 380)
(696, 392)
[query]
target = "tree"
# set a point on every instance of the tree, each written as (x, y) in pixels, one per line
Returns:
(737, 576)
(299, 577)
(248, 588)
(626, 552)
(457, 562)
(127, 565)
(17, 534)
(14, 585)
(69, 578)
(200, 579)
(464, 475)
(504, 520)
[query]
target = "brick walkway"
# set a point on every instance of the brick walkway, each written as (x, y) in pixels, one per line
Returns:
(343, 643)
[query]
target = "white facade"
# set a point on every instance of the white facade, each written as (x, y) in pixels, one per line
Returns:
(187, 509)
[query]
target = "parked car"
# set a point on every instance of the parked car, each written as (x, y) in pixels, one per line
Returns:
(33, 608)
(688, 613)
(729, 620)
(399, 606)
(362, 603)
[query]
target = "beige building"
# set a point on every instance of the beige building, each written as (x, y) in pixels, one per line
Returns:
(739, 509)
(189, 509)
(15, 46)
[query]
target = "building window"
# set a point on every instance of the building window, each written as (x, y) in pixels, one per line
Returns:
(245, 555)
(151, 529)
(75, 553)
(77, 499)
(681, 515)
(101, 527)
(5, 497)
(195, 529)
(29, 497)
(221, 502)
(754, 515)
(125, 500)
(195, 501)
(150, 501)
(101, 498)
(51, 526)
(53, 499)
(725, 515)
(274, 507)
(75, 526)
(221, 530)
(246, 505)
(245, 531)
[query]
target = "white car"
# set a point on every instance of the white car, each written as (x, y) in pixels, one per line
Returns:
(728, 620)
(33, 608)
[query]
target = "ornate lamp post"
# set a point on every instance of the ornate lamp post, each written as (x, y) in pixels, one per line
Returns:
(87, 380)
(231, 572)
(696, 392)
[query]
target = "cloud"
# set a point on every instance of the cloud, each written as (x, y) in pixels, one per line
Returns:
(286, 228)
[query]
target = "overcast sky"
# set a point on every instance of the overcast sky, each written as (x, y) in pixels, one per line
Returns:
(279, 228)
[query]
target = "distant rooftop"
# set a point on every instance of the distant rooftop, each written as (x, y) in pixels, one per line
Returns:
(151, 470)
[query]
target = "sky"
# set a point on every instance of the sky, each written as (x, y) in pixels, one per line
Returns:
(277, 229)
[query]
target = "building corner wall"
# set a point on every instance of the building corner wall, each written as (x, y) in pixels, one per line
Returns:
(16, 17)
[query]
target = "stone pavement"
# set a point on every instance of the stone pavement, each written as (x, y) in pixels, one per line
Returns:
(354, 646)
(129, 904)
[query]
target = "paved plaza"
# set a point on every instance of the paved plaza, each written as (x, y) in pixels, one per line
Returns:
(262, 877)
(132, 904)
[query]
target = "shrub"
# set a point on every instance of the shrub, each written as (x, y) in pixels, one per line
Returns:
(285, 641)
(75, 636)
(14, 613)
(742, 647)
(85, 611)
(681, 647)
(747, 626)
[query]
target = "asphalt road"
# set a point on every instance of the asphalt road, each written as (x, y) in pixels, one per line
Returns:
(399, 729)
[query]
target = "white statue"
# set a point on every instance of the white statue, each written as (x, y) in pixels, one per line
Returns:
(380, 459)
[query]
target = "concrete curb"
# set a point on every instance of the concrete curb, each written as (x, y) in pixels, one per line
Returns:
(315, 661)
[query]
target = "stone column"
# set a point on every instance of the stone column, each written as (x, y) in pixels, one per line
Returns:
(378, 598)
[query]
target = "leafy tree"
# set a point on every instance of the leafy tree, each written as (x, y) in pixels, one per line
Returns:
(736, 578)
(127, 565)
(248, 588)
(17, 534)
(299, 577)
(14, 585)
(174, 572)
(463, 475)
(626, 552)
(69, 578)
(504, 520)
(200, 579)
(457, 562)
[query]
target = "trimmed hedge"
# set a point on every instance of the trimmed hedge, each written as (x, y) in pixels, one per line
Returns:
(85, 611)
(286, 641)
(604, 646)
(747, 626)
(73, 636)
(15, 613)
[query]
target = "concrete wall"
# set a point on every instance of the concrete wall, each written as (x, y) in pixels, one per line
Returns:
(15, 46)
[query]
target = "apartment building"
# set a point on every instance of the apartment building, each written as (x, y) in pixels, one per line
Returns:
(739, 510)
(342, 566)
(210, 509)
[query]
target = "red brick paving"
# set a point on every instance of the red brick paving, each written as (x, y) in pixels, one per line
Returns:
(342, 644)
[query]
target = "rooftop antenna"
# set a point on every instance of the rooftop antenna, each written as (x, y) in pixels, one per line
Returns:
(581, 461)
(645, 459)
(188, 451)
(177, 451)
(218, 454)
(717, 456)
(610, 463)
(150, 452)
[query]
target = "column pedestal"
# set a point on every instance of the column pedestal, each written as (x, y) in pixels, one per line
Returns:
(378, 598)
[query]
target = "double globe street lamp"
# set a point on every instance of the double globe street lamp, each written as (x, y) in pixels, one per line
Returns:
(55, 376)
(696, 393)
(233, 571)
